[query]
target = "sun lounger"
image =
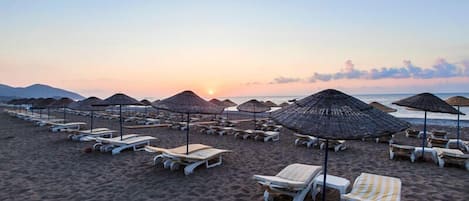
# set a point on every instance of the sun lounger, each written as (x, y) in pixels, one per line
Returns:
(295, 180)
(412, 133)
(386, 139)
(372, 187)
(402, 150)
(437, 142)
(267, 135)
(439, 134)
(116, 145)
(72, 126)
(44, 122)
(452, 156)
(178, 150)
(245, 134)
(337, 145)
(194, 159)
(89, 135)
(453, 143)
(307, 140)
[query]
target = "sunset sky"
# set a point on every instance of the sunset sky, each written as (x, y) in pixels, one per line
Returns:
(235, 48)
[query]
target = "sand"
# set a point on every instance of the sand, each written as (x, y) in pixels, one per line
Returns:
(36, 164)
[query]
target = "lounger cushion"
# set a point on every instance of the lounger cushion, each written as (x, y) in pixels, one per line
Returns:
(371, 187)
(293, 176)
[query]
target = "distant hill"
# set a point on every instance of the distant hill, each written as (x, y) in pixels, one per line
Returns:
(36, 91)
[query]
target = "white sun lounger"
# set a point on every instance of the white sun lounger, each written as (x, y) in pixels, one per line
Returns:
(268, 135)
(116, 145)
(294, 180)
(90, 136)
(372, 187)
(452, 156)
(72, 126)
(45, 122)
(194, 159)
(178, 150)
(307, 140)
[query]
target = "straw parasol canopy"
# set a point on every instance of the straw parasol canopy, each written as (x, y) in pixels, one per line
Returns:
(188, 102)
(426, 102)
(217, 102)
(87, 105)
(331, 114)
(41, 103)
(119, 99)
(253, 106)
(229, 103)
(382, 107)
(459, 101)
(284, 104)
(145, 102)
(270, 104)
(61, 103)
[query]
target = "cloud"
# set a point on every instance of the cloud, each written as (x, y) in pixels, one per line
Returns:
(252, 83)
(441, 69)
(283, 80)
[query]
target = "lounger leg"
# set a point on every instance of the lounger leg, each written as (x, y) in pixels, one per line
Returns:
(391, 155)
(441, 162)
(167, 163)
(158, 159)
(189, 169)
(296, 142)
(412, 157)
(267, 196)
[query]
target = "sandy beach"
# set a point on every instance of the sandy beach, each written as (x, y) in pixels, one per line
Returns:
(36, 164)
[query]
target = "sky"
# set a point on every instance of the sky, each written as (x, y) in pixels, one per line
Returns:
(224, 48)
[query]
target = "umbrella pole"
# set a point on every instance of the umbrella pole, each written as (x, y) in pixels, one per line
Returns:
(64, 113)
(325, 171)
(91, 123)
(424, 135)
(254, 114)
(48, 113)
(457, 141)
(120, 119)
(187, 134)
(40, 114)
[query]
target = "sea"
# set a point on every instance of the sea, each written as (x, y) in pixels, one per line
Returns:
(415, 117)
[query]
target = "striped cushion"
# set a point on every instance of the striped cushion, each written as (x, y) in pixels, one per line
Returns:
(371, 187)
(294, 176)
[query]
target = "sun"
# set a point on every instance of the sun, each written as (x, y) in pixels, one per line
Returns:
(210, 92)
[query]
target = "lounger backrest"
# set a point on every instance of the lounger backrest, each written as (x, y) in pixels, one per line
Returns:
(375, 187)
(300, 172)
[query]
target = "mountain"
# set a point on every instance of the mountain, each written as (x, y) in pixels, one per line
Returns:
(36, 91)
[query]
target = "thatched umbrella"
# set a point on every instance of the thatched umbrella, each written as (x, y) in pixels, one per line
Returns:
(119, 99)
(253, 106)
(382, 107)
(269, 103)
(61, 103)
(88, 104)
(42, 103)
(229, 103)
(284, 104)
(219, 103)
(459, 101)
(426, 102)
(331, 114)
(145, 103)
(187, 102)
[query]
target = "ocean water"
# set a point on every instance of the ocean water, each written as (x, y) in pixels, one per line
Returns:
(385, 99)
